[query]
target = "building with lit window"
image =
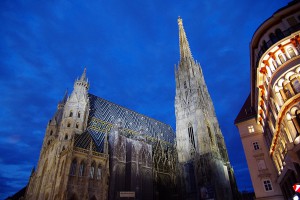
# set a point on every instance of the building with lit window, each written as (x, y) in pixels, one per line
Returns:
(269, 121)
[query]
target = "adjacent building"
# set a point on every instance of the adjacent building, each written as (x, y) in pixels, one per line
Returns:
(95, 149)
(269, 121)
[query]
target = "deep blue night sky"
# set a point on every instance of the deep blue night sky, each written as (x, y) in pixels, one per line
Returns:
(129, 49)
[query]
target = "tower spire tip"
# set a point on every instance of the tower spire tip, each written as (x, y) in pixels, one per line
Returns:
(185, 51)
(83, 76)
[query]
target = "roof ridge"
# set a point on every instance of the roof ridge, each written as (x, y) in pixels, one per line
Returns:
(133, 111)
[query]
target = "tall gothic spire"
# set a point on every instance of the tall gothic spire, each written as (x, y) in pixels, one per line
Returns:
(83, 76)
(185, 51)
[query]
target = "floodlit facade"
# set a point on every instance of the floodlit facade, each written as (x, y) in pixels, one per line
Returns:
(205, 169)
(95, 149)
(269, 121)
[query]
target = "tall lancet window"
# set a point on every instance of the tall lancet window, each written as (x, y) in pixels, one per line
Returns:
(99, 172)
(81, 169)
(73, 167)
(209, 133)
(92, 170)
(191, 135)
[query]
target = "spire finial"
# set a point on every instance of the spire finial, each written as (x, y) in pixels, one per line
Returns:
(83, 76)
(83, 81)
(179, 20)
(185, 51)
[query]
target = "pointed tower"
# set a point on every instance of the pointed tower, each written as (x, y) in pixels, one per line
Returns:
(70, 164)
(201, 149)
(74, 120)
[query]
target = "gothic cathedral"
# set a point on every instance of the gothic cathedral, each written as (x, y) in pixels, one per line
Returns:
(95, 149)
(202, 155)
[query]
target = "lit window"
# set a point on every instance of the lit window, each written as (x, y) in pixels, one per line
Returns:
(286, 89)
(281, 58)
(291, 52)
(274, 65)
(296, 85)
(251, 129)
(268, 185)
(255, 145)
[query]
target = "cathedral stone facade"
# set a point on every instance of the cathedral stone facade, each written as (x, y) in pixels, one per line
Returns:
(202, 156)
(95, 149)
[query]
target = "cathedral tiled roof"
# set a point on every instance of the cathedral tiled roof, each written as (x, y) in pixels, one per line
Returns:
(86, 141)
(105, 115)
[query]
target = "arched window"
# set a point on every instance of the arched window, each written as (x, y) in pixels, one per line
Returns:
(191, 135)
(77, 125)
(143, 157)
(81, 169)
(296, 85)
(78, 114)
(69, 124)
(274, 65)
(73, 168)
(51, 132)
(92, 170)
(291, 52)
(99, 172)
(286, 89)
(71, 114)
(66, 136)
(279, 34)
(281, 58)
